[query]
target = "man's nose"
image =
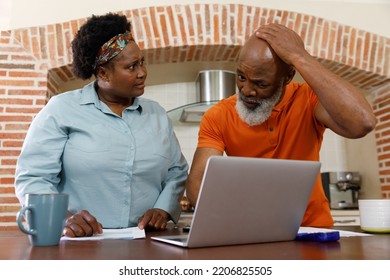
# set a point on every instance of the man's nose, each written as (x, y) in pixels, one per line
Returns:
(248, 90)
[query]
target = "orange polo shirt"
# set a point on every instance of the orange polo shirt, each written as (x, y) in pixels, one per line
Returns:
(291, 132)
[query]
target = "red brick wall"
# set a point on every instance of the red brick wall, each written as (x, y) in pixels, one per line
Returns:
(35, 62)
(381, 107)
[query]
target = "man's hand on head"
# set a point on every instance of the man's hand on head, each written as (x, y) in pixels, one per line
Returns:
(286, 43)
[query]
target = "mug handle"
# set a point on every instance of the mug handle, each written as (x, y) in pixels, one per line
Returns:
(19, 217)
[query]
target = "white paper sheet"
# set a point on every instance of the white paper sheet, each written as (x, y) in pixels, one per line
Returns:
(122, 233)
(343, 233)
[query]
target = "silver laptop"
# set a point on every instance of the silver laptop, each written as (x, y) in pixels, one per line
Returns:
(249, 200)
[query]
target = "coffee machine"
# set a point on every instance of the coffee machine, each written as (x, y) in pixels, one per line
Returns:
(342, 189)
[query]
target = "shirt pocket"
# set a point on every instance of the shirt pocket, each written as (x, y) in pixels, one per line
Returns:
(91, 139)
(160, 143)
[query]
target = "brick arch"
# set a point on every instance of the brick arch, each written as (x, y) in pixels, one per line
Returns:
(35, 62)
(187, 33)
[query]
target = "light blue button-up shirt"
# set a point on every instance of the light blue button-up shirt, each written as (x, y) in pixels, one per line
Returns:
(114, 167)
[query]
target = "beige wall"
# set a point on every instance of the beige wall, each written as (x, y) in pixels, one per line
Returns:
(369, 15)
(361, 155)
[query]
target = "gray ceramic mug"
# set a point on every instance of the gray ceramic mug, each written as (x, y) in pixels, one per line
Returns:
(45, 215)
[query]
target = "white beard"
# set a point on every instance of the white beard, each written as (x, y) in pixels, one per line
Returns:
(262, 111)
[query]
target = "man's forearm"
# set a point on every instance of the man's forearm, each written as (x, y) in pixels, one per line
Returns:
(344, 103)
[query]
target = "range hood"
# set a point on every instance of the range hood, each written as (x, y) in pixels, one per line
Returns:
(211, 87)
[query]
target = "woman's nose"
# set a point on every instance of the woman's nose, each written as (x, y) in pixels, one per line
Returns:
(141, 72)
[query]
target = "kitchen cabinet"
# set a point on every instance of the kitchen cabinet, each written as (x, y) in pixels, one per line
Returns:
(346, 217)
(340, 217)
(185, 219)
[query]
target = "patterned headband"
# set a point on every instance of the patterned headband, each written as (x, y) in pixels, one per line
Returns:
(112, 48)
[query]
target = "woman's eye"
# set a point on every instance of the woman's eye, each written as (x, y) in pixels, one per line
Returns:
(135, 65)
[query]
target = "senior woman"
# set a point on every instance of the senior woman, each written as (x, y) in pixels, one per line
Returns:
(114, 152)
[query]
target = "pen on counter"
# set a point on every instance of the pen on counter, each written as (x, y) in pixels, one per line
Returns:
(318, 236)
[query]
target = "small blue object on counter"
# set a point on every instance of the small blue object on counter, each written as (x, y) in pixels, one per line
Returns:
(318, 236)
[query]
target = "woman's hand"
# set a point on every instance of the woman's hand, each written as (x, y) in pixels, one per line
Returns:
(154, 219)
(81, 224)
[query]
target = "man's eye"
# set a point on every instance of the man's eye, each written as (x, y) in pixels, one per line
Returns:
(240, 78)
(261, 85)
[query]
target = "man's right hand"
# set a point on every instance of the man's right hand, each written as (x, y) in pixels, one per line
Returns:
(286, 43)
(196, 173)
(81, 224)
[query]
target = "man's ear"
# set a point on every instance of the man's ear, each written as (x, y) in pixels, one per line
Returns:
(290, 74)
